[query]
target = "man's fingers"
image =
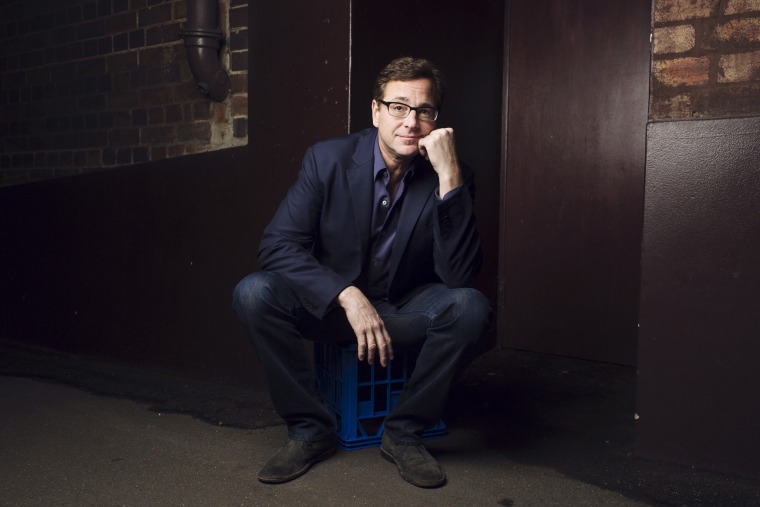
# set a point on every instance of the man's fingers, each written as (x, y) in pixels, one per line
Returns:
(383, 347)
(386, 350)
(389, 347)
(371, 348)
(423, 150)
(375, 344)
(361, 347)
(375, 347)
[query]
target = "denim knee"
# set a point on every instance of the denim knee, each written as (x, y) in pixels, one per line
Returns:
(473, 311)
(253, 292)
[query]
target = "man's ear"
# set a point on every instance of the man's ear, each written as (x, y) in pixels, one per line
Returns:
(375, 112)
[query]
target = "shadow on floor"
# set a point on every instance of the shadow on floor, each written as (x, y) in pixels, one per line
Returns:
(578, 418)
(574, 416)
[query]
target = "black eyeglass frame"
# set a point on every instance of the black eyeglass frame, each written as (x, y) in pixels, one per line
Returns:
(411, 108)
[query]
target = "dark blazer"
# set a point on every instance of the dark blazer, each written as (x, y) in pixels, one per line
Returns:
(318, 240)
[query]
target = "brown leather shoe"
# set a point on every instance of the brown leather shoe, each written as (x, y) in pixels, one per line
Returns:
(415, 464)
(295, 458)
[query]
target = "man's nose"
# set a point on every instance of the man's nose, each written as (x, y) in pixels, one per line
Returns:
(411, 119)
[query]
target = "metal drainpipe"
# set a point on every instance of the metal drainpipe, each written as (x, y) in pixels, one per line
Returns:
(203, 40)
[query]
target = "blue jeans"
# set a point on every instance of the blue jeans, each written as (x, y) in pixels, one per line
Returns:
(445, 325)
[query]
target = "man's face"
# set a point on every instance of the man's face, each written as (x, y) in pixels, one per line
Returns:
(399, 137)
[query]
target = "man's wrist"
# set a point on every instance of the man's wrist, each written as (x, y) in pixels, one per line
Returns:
(343, 296)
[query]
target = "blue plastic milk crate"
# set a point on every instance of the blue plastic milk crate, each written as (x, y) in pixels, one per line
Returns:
(361, 394)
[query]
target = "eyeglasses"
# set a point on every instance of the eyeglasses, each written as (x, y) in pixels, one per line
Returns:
(401, 110)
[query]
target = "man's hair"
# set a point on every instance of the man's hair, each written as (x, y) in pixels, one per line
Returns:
(408, 69)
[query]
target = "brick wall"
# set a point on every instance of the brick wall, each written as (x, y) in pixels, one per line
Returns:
(91, 84)
(706, 59)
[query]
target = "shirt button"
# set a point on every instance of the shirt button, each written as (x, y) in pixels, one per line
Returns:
(376, 263)
(384, 202)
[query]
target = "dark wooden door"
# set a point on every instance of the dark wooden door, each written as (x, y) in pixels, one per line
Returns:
(577, 99)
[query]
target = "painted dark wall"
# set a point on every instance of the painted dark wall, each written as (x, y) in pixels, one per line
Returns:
(466, 41)
(700, 296)
(134, 264)
(576, 129)
(299, 89)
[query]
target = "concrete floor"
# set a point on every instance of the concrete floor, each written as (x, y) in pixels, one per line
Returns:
(525, 430)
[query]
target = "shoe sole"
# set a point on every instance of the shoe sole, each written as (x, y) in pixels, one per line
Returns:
(279, 480)
(389, 457)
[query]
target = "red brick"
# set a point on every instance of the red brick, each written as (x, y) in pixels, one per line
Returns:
(122, 119)
(239, 105)
(155, 56)
(90, 67)
(94, 158)
(121, 81)
(739, 67)
(188, 91)
(220, 113)
(240, 128)
(137, 38)
(171, 32)
(742, 30)
(173, 113)
(95, 139)
(155, 15)
(239, 17)
(158, 135)
(674, 39)
(122, 62)
(682, 71)
(91, 30)
(154, 36)
(124, 22)
(195, 148)
(180, 9)
(92, 102)
(123, 99)
(679, 10)
(239, 61)
(158, 153)
(194, 132)
(156, 115)
(176, 150)
(151, 97)
(742, 6)
(124, 137)
(202, 110)
(239, 40)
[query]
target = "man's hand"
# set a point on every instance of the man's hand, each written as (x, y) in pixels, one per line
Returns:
(368, 327)
(439, 148)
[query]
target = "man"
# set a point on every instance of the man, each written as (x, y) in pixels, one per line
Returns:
(374, 243)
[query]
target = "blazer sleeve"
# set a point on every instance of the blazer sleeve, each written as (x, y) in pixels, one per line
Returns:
(289, 242)
(457, 254)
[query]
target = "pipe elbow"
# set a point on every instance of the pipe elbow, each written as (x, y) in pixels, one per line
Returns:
(203, 39)
(210, 77)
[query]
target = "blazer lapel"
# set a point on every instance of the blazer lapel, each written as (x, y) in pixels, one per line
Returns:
(416, 195)
(360, 188)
